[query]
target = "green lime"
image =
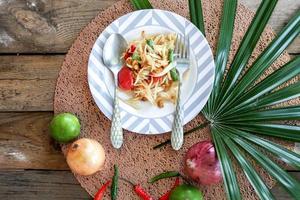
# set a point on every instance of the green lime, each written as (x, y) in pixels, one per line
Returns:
(186, 192)
(65, 127)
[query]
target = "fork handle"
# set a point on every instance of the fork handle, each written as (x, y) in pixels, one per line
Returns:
(177, 129)
(116, 135)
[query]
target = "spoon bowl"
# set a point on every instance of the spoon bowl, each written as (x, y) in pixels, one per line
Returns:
(114, 47)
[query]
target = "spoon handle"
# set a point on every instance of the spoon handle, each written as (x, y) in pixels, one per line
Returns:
(177, 130)
(116, 136)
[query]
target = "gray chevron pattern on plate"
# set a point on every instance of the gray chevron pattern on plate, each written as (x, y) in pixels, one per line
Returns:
(204, 69)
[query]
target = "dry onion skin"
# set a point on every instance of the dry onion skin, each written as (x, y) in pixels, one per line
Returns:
(85, 156)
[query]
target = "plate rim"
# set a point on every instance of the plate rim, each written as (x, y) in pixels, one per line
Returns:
(212, 63)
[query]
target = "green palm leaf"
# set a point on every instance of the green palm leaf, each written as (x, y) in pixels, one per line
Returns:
(286, 155)
(285, 73)
(196, 14)
(141, 4)
(279, 96)
(273, 51)
(230, 181)
(257, 183)
(288, 182)
(226, 30)
(247, 46)
(275, 130)
(286, 113)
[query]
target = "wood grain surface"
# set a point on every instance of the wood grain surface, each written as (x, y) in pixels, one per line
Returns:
(44, 26)
(30, 67)
(31, 164)
(42, 185)
(27, 83)
(25, 142)
(61, 185)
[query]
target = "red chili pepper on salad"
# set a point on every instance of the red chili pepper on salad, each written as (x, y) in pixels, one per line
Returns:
(157, 79)
(132, 48)
(166, 196)
(101, 191)
(130, 51)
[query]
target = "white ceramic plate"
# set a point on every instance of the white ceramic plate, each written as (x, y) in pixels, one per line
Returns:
(197, 83)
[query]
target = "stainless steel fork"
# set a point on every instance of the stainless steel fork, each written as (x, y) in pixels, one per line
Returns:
(182, 59)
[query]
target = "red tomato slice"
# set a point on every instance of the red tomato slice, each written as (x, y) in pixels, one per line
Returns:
(125, 79)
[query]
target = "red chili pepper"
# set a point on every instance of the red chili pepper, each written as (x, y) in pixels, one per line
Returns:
(132, 48)
(142, 193)
(130, 52)
(139, 190)
(166, 196)
(154, 79)
(126, 56)
(157, 79)
(101, 191)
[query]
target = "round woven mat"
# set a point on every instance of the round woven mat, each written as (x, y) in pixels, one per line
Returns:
(136, 160)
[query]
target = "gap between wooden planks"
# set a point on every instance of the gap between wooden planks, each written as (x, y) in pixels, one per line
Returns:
(27, 83)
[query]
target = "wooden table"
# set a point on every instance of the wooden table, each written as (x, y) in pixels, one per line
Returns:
(34, 38)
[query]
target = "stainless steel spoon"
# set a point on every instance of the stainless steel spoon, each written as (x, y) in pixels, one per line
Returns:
(112, 52)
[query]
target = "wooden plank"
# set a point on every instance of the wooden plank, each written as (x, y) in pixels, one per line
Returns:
(22, 95)
(36, 185)
(25, 142)
(30, 67)
(61, 185)
(36, 26)
(27, 83)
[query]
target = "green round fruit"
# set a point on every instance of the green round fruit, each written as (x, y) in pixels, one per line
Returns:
(64, 127)
(186, 192)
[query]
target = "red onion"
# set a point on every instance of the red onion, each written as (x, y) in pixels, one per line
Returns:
(202, 165)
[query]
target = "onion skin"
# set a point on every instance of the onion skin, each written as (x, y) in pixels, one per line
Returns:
(202, 165)
(85, 157)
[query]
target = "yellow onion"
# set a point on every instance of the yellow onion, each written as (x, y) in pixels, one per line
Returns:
(85, 156)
